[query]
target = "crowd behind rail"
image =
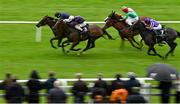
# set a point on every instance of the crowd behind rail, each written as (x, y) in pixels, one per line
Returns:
(116, 91)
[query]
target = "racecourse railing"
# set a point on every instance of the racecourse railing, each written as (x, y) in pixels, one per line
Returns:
(38, 30)
(65, 85)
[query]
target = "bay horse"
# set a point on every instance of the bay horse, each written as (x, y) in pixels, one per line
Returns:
(148, 36)
(95, 32)
(50, 21)
(124, 31)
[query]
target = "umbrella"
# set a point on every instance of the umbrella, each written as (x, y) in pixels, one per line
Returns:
(162, 72)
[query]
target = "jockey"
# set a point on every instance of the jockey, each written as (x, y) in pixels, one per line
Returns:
(76, 21)
(154, 25)
(131, 16)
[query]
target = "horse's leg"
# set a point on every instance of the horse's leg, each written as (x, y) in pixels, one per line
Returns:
(135, 41)
(59, 42)
(151, 48)
(63, 49)
(139, 44)
(51, 41)
(108, 35)
(172, 45)
(66, 41)
(73, 45)
(87, 46)
(122, 42)
(130, 40)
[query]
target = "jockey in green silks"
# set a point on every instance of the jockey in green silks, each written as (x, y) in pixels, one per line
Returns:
(131, 16)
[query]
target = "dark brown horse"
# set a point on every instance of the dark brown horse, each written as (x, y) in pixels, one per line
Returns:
(148, 36)
(95, 32)
(46, 20)
(124, 31)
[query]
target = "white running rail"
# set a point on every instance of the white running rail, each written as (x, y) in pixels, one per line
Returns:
(38, 30)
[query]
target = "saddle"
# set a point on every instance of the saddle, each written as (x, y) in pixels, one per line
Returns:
(160, 35)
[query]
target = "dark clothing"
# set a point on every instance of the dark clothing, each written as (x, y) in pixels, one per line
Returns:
(136, 99)
(101, 84)
(34, 86)
(5, 83)
(49, 84)
(177, 98)
(78, 19)
(14, 93)
(98, 91)
(56, 95)
(129, 84)
(114, 84)
(79, 90)
(63, 15)
(165, 91)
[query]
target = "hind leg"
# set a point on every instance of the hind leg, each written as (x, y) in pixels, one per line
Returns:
(72, 47)
(172, 46)
(87, 46)
(151, 48)
(131, 41)
(63, 45)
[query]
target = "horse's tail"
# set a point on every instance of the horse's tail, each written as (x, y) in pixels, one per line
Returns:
(178, 33)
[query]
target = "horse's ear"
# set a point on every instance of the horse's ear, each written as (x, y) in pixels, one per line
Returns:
(113, 12)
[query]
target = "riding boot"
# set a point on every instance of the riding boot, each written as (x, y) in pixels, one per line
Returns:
(159, 36)
(84, 32)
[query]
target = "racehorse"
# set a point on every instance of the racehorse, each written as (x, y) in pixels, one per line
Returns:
(124, 31)
(95, 32)
(50, 21)
(148, 36)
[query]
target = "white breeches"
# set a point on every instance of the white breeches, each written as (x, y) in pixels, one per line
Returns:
(79, 26)
(158, 27)
(130, 21)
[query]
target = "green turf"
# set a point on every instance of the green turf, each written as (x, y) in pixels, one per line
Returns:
(20, 54)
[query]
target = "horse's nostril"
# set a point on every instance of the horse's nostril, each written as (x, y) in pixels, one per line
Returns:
(37, 25)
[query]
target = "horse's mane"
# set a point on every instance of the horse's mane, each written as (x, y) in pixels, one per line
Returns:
(51, 18)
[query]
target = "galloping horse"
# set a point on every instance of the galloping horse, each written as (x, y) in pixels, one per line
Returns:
(50, 21)
(124, 32)
(74, 35)
(149, 38)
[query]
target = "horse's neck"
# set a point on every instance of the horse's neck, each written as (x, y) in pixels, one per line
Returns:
(119, 25)
(51, 24)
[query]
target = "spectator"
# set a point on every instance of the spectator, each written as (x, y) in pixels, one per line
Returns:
(165, 91)
(56, 94)
(101, 83)
(34, 86)
(119, 95)
(7, 81)
(79, 89)
(96, 91)
(177, 98)
(136, 97)
(114, 83)
(49, 83)
(132, 82)
(14, 93)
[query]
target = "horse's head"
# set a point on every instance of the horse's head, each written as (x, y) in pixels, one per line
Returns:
(112, 19)
(139, 25)
(45, 20)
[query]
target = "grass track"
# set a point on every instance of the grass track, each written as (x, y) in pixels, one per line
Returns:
(20, 54)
